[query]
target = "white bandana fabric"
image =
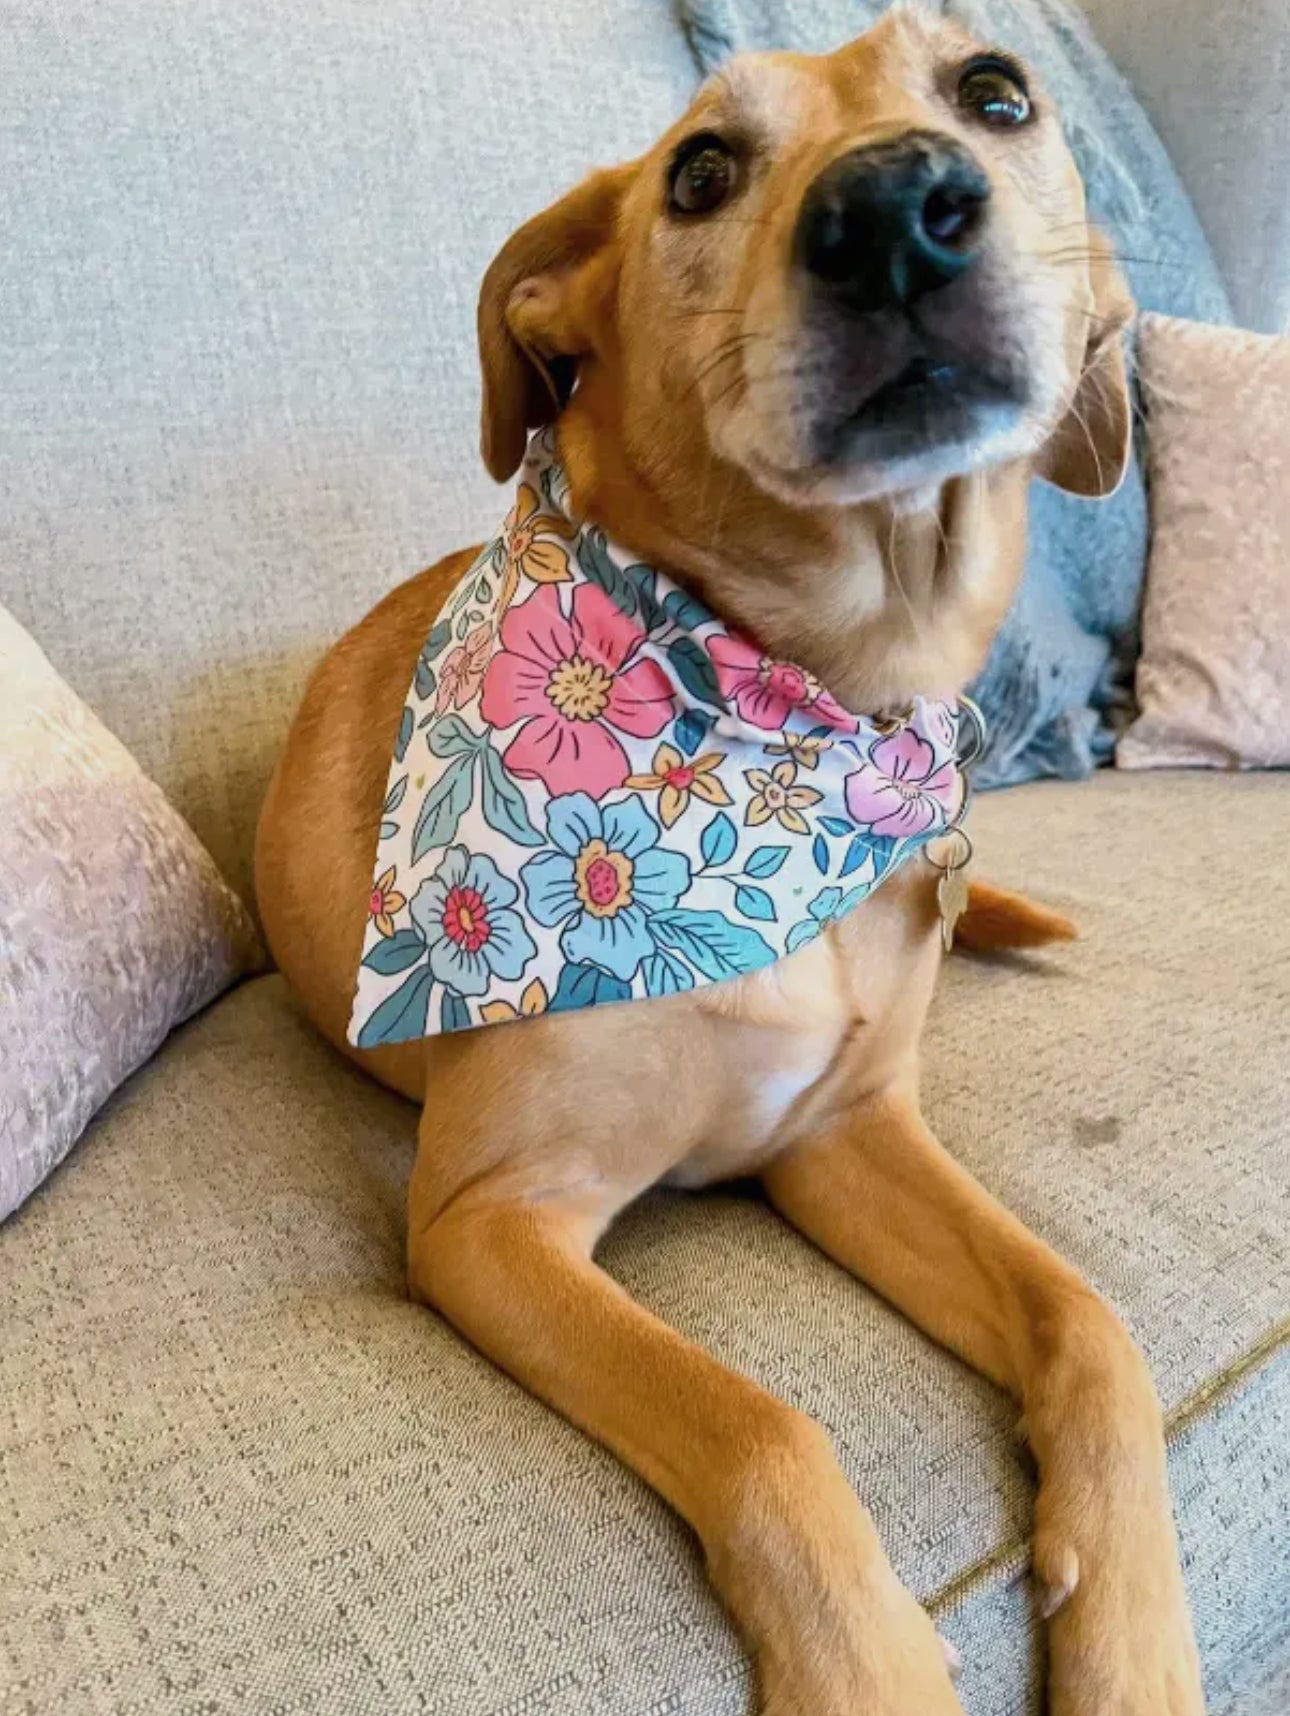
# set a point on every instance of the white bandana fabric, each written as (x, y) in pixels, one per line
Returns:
(601, 793)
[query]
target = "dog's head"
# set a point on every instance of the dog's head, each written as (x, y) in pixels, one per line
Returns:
(853, 275)
(808, 350)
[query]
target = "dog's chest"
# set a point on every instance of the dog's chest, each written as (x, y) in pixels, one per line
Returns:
(778, 1034)
(769, 1082)
(798, 1042)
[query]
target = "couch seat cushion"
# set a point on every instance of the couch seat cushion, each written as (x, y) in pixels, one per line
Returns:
(242, 1472)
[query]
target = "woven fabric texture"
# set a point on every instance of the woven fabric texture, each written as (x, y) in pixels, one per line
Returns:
(1220, 99)
(240, 396)
(244, 1473)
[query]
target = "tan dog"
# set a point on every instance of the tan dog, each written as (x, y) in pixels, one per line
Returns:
(823, 332)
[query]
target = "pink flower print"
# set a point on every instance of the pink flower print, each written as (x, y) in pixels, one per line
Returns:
(564, 679)
(942, 723)
(766, 692)
(463, 670)
(899, 791)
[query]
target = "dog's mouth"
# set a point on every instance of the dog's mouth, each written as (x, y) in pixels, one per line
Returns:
(923, 378)
(931, 402)
(855, 406)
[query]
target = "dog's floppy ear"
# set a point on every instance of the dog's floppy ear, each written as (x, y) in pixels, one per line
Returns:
(534, 311)
(1088, 452)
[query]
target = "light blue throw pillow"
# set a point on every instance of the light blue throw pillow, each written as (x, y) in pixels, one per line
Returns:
(1058, 679)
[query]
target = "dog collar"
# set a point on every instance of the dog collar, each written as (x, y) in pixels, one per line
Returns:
(600, 792)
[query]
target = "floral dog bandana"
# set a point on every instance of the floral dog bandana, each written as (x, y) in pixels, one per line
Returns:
(602, 793)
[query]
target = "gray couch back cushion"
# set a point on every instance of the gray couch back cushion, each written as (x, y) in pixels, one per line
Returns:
(237, 329)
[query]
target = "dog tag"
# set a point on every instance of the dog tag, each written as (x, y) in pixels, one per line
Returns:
(950, 856)
(952, 898)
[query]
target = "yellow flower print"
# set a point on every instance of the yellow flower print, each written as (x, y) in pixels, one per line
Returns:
(804, 751)
(533, 1001)
(603, 879)
(777, 795)
(384, 901)
(892, 723)
(675, 780)
(542, 561)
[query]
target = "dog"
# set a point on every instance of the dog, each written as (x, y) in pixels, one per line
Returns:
(806, 353)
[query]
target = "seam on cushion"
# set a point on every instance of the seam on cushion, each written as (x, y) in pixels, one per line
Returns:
(1185, 1414)
(1015, 1553)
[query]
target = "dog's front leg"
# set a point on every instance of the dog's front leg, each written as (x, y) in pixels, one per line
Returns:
(880, 1195)
(789, 1547)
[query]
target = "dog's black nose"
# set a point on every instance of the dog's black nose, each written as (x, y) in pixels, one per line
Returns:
(884, 224)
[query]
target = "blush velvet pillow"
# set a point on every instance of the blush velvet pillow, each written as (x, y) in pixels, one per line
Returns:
(114, 922)
(1213, 681)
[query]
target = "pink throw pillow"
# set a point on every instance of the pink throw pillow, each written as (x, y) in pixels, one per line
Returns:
(1214, 677)
(115, 925)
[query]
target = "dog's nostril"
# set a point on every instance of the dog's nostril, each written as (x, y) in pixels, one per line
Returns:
(829, 240)
(951, 215)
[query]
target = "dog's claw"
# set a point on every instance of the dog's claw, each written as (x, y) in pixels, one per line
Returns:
(953, 1658)
(1056, 1576)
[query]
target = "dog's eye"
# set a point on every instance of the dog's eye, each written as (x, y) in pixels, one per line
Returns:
(995, 90)
(703, 175)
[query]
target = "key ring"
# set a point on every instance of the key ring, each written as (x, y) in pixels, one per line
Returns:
(976, 734)
(960, 855)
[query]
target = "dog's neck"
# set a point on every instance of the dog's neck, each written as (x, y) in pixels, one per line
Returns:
(884, 601)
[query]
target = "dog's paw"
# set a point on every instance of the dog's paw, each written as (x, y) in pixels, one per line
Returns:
(1120, 1639)
(890, 1662)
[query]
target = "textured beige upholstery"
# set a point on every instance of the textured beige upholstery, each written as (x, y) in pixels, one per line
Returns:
(1215, 77)
(244, 1474)
(241, 1475)
(237, 364)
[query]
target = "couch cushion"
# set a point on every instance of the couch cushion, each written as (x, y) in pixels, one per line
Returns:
(240, 396)
(243, 1472)
(1217, 96)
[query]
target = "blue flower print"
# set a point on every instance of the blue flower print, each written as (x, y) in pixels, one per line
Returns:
(828, 904)
(603, 881)
(463, 911)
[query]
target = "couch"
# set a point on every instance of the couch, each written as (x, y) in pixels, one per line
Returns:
(241, 1472)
